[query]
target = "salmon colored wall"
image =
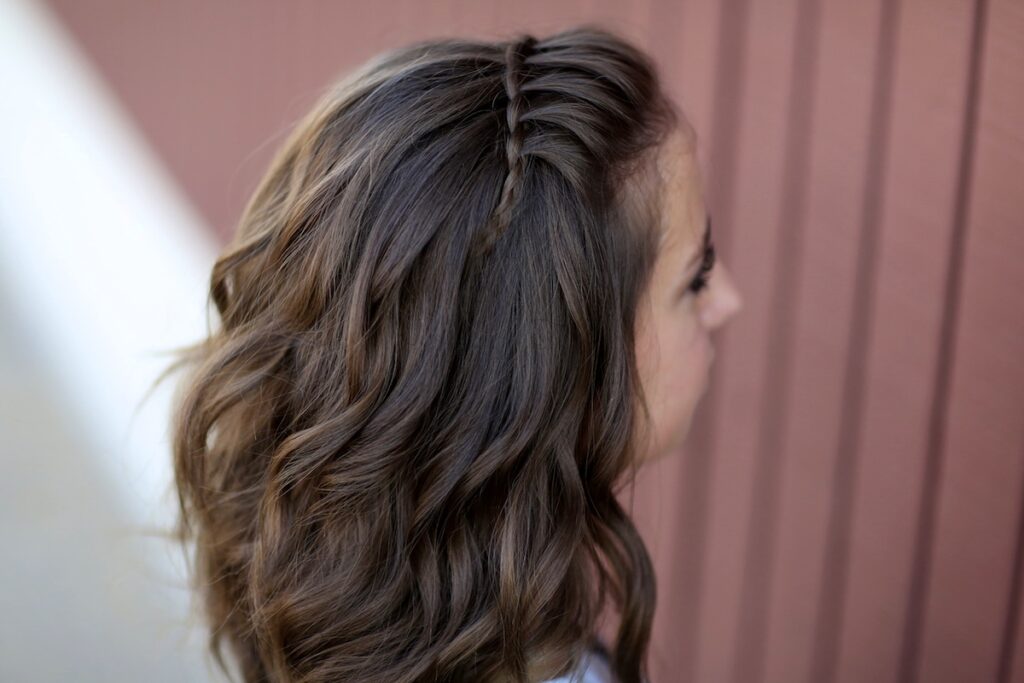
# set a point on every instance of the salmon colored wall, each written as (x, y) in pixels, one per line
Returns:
(849, 508)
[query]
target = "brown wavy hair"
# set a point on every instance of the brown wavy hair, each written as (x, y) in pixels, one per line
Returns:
(397, 454)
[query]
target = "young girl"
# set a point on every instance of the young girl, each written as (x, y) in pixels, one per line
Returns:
(473, 293)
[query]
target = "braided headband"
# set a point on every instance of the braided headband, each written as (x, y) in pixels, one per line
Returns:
(515, 55)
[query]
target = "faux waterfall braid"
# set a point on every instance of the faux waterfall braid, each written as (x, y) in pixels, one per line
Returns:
(397, 461)
(515, 56)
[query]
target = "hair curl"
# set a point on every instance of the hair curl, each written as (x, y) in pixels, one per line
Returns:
(398, 454)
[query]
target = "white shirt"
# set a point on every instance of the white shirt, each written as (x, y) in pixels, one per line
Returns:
(593, 668)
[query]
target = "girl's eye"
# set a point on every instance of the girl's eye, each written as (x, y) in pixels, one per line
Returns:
(700, 281)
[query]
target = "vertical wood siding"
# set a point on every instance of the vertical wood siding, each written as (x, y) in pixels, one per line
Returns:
(850, 506)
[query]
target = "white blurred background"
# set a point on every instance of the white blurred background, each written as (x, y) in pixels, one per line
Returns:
(102, 268)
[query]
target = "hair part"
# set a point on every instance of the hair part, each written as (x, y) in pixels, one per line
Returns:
(398, 453)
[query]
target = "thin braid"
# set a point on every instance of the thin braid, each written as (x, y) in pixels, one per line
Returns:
(515, 56)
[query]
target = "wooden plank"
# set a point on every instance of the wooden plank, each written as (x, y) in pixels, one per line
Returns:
(823, 313)
(754, 227)
(916, 224)
(970, 575)
(1011, 656)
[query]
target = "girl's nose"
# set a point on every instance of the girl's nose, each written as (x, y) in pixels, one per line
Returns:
(723, 300)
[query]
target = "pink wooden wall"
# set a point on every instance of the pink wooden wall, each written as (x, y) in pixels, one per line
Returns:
(850, 506)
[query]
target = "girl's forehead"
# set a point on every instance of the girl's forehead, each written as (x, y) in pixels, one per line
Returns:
(683, 137)
(683, 195)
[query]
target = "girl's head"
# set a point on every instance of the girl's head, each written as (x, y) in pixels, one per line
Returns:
(452, 321)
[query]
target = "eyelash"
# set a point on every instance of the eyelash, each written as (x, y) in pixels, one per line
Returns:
(707, 263)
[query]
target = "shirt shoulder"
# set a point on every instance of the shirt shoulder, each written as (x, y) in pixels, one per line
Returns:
(593, 668)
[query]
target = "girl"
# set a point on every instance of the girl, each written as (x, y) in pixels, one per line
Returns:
(474, 291)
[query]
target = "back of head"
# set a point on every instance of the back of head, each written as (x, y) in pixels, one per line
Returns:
(398, 452)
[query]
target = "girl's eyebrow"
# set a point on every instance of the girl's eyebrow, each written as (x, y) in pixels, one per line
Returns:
(705, 244)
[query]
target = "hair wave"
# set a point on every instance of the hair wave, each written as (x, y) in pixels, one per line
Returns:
(398, 453)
